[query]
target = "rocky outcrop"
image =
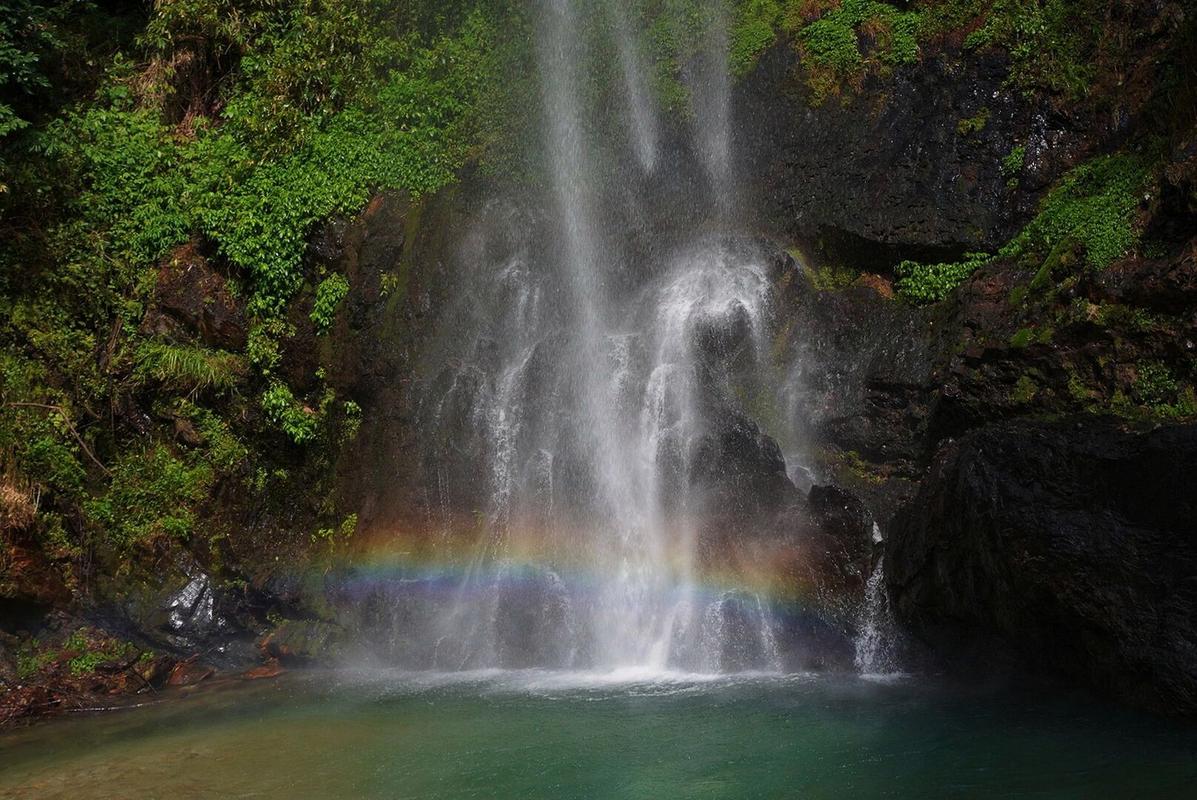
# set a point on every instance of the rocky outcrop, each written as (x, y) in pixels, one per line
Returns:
(192, 297)
(1062, 547)
(906, 166)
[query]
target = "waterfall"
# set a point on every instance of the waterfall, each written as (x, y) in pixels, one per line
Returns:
(583, 368)
(709, 81)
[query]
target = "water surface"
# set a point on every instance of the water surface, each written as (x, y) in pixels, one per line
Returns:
(534, 735)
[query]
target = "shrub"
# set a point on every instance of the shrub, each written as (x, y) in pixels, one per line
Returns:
(152, 493)
(930, 283)
(329, 294)
(297, 422)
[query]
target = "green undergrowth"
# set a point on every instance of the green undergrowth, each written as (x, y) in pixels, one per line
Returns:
(1088, 220)
(234, 128)
(929, 283)
(81, 653)
(1056, 47)
(1095, 206)
(848, 39)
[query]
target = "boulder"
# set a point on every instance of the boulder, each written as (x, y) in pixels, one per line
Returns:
(1063, 547)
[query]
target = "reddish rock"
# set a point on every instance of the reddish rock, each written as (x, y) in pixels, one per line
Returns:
(189, 673)
(271, 669)
(877, 283)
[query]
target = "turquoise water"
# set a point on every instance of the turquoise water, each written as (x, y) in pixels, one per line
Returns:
(541, 735)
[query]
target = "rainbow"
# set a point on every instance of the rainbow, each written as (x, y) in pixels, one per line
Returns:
(468, 555)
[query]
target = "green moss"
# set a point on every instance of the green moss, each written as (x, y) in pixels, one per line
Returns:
(973, 125)
(831, 277)
(1022, 338)
(1077, 389)
(1024, 390)
(861, 469)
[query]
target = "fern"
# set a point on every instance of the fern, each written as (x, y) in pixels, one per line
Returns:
(187, 368)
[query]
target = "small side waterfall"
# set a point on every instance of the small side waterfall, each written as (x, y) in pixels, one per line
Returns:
(876, 636)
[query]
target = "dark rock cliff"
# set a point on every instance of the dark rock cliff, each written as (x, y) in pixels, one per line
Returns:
(1071, 546)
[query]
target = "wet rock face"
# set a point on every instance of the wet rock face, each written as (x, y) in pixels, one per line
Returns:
(1066, 548)
(905, 167)
(746, 643)
(193, 296)
(187, 612)
(531, 621)
(736, 468)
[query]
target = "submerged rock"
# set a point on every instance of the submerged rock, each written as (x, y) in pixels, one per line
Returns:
(1063, 547)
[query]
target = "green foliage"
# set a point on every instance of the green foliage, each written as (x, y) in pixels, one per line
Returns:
(1022, 338)
(1012, 164)
(35, 434)
(91, 650)
(352, 420)
(33, 38)
(152, 493)
(329, 294)
(262, 349)
(32, 659)
(753, 30)
(830, 44)
(343, 532)
(296, 421)
(388, 114)
(973, 125)
(930, 283)
(1052, 43)
(223, 451)
(1155, 384)
(1024, 390)
(1094, 205)
(188, 368)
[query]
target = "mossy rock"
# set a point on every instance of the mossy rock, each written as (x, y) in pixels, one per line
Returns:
(304, 641)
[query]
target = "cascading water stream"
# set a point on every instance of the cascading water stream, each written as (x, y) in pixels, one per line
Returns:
(592, 373)
(642, 115)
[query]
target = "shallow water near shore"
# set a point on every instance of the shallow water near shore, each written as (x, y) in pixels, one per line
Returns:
(611, 735)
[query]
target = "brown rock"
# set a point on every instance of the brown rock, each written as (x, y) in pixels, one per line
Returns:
(192, 295)
(271, 669)
(877, 283)
(189, 673)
